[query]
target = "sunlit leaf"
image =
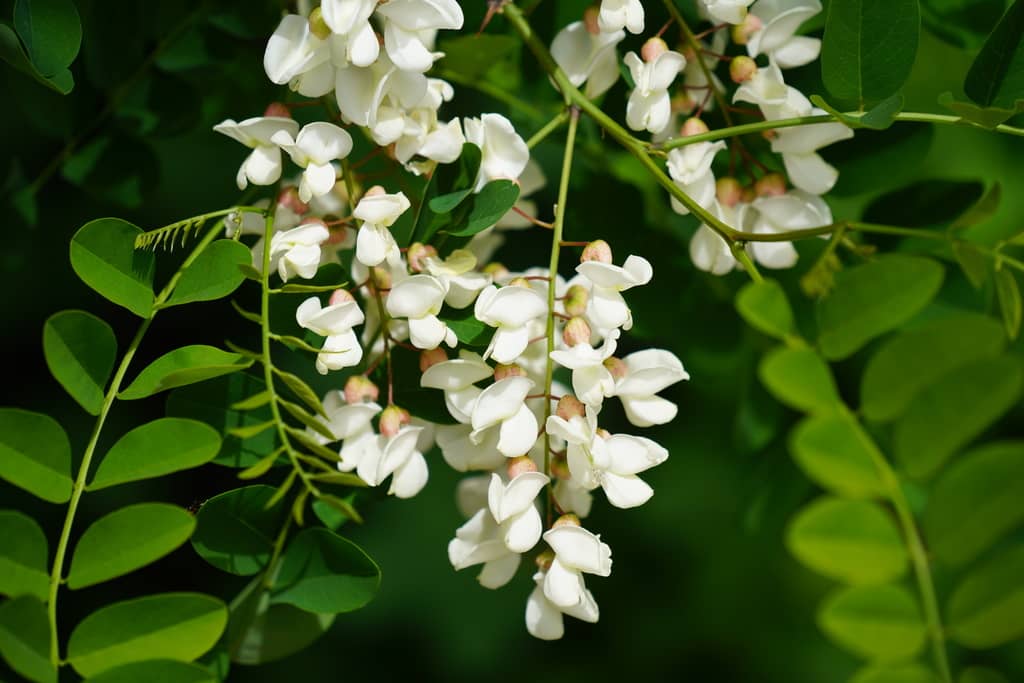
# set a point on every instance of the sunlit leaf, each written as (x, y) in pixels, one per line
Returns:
(103, 254)
(235, 531)
(35, 454)
(1008, 293)
(155, 671)
(325, 573)
(23, 556)
(800, 379)
(896, 673)
(80, 351)
(214, 274)
(835, 452)
(880, 623)
(187, 365)
(25, 638)
(987, 608)
(166, 445)
(765, 308)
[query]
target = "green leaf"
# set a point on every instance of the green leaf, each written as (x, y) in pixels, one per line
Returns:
(235, 531)
(852, 541)
(980, 211)
(25, 638)
(834, 451)
(916, 358)
(896, 673)
(469, 330)
(1008, 293)
(51, 32)
(873, 298)
(300, 414)
(880, 623)
(987, 608)
(208, 402)
(800, 379)
(946, 415)
(868, 48)
(103, 255)
(976, 502)
(325, 573)
(341, 505)
(486, 208)
(977, 674)
(879, 117)
(167, 445)
(23, 556)
(765, 308)
(972, 262)
(35, 454)
(155, 671)
(126, 540)
(996, 78)
(214, 274)
(446, 203)
(187, 365)
(80, 351)
(178, 626)
(14, 54)
(301, 390)
(447, 179)
(985, 117)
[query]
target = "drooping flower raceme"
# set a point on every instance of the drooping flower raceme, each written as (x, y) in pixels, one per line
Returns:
(263, 165)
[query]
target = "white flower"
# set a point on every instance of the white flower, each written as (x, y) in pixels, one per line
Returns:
(610, 463)
(591, 380)
(777, 36)
(409, 27)
(378, 97)
(794, 210)
(397, 457)
(341, 347)
(513, 509)
(293, 50)
(648, 372)
(461, 282)
(350, 20)
(510, 309)
(690, 168)
(263, 165)
(588, 58)
(315, 147)
(374, 243)
(708, 251)
(798, 147)
(464, 454)
(726, 11)
(479, 541)
(503, 152)
(577, 551)
(544, 618)
(297, 251)
(616, 15)
(649, 107)
(502, 406)
(456, 378)
(344, 420)
(573, 497)
(419, 298)
(606, 307)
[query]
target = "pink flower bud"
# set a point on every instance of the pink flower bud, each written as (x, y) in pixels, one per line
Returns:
(496, 270)
(729, 191)
(417, 254)
(771, 185)
(560, 468)
(359, 389)
(544, 560)
(568, 519)
(742, 31)
(338, 234)
(769, 134)
(616, 366)
(576, 299)
(431, 358)
(375, 191)
(683, 103)
(380, 277)
(505, 371)
(317, 26)
(598, 250)
(653, 48)
(279, 109)
(742, 69)
(590, 20)
(392, 419)
(693, 126)
(576, 331)
(569, 407)
(288, 197)
(520, 465)
(340, 296)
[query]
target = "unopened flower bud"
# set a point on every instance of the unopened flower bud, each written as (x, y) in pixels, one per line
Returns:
(576, 331)
(503, 371)
(682, 103)
(279, 109)
(742, 31)
(560, 468)
(288, 197)
(380, 277)
(603, 433)
(653, 48)
(392, 419)
(568, 519)
(687, 52)
(769, 134)
(519, 282)
(520, 465)
(340, 296)
(576, 299)
(693, 126)
(771, 185)
(569, 407)
(590, 20)
(359, 389)
(598, 250)
(418, 253)
(375, 191)
(742, 69)
(616, 366)
(317, 26)
(728, 191)
(431, 358)
(544, 560)
(313, 220)
(495, 270)
(338, 235)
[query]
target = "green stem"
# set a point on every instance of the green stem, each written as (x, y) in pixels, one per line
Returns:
(695, 46)
(57, 571)
(556, 247)
(740, 253)
(918, 556)
(548, 128)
